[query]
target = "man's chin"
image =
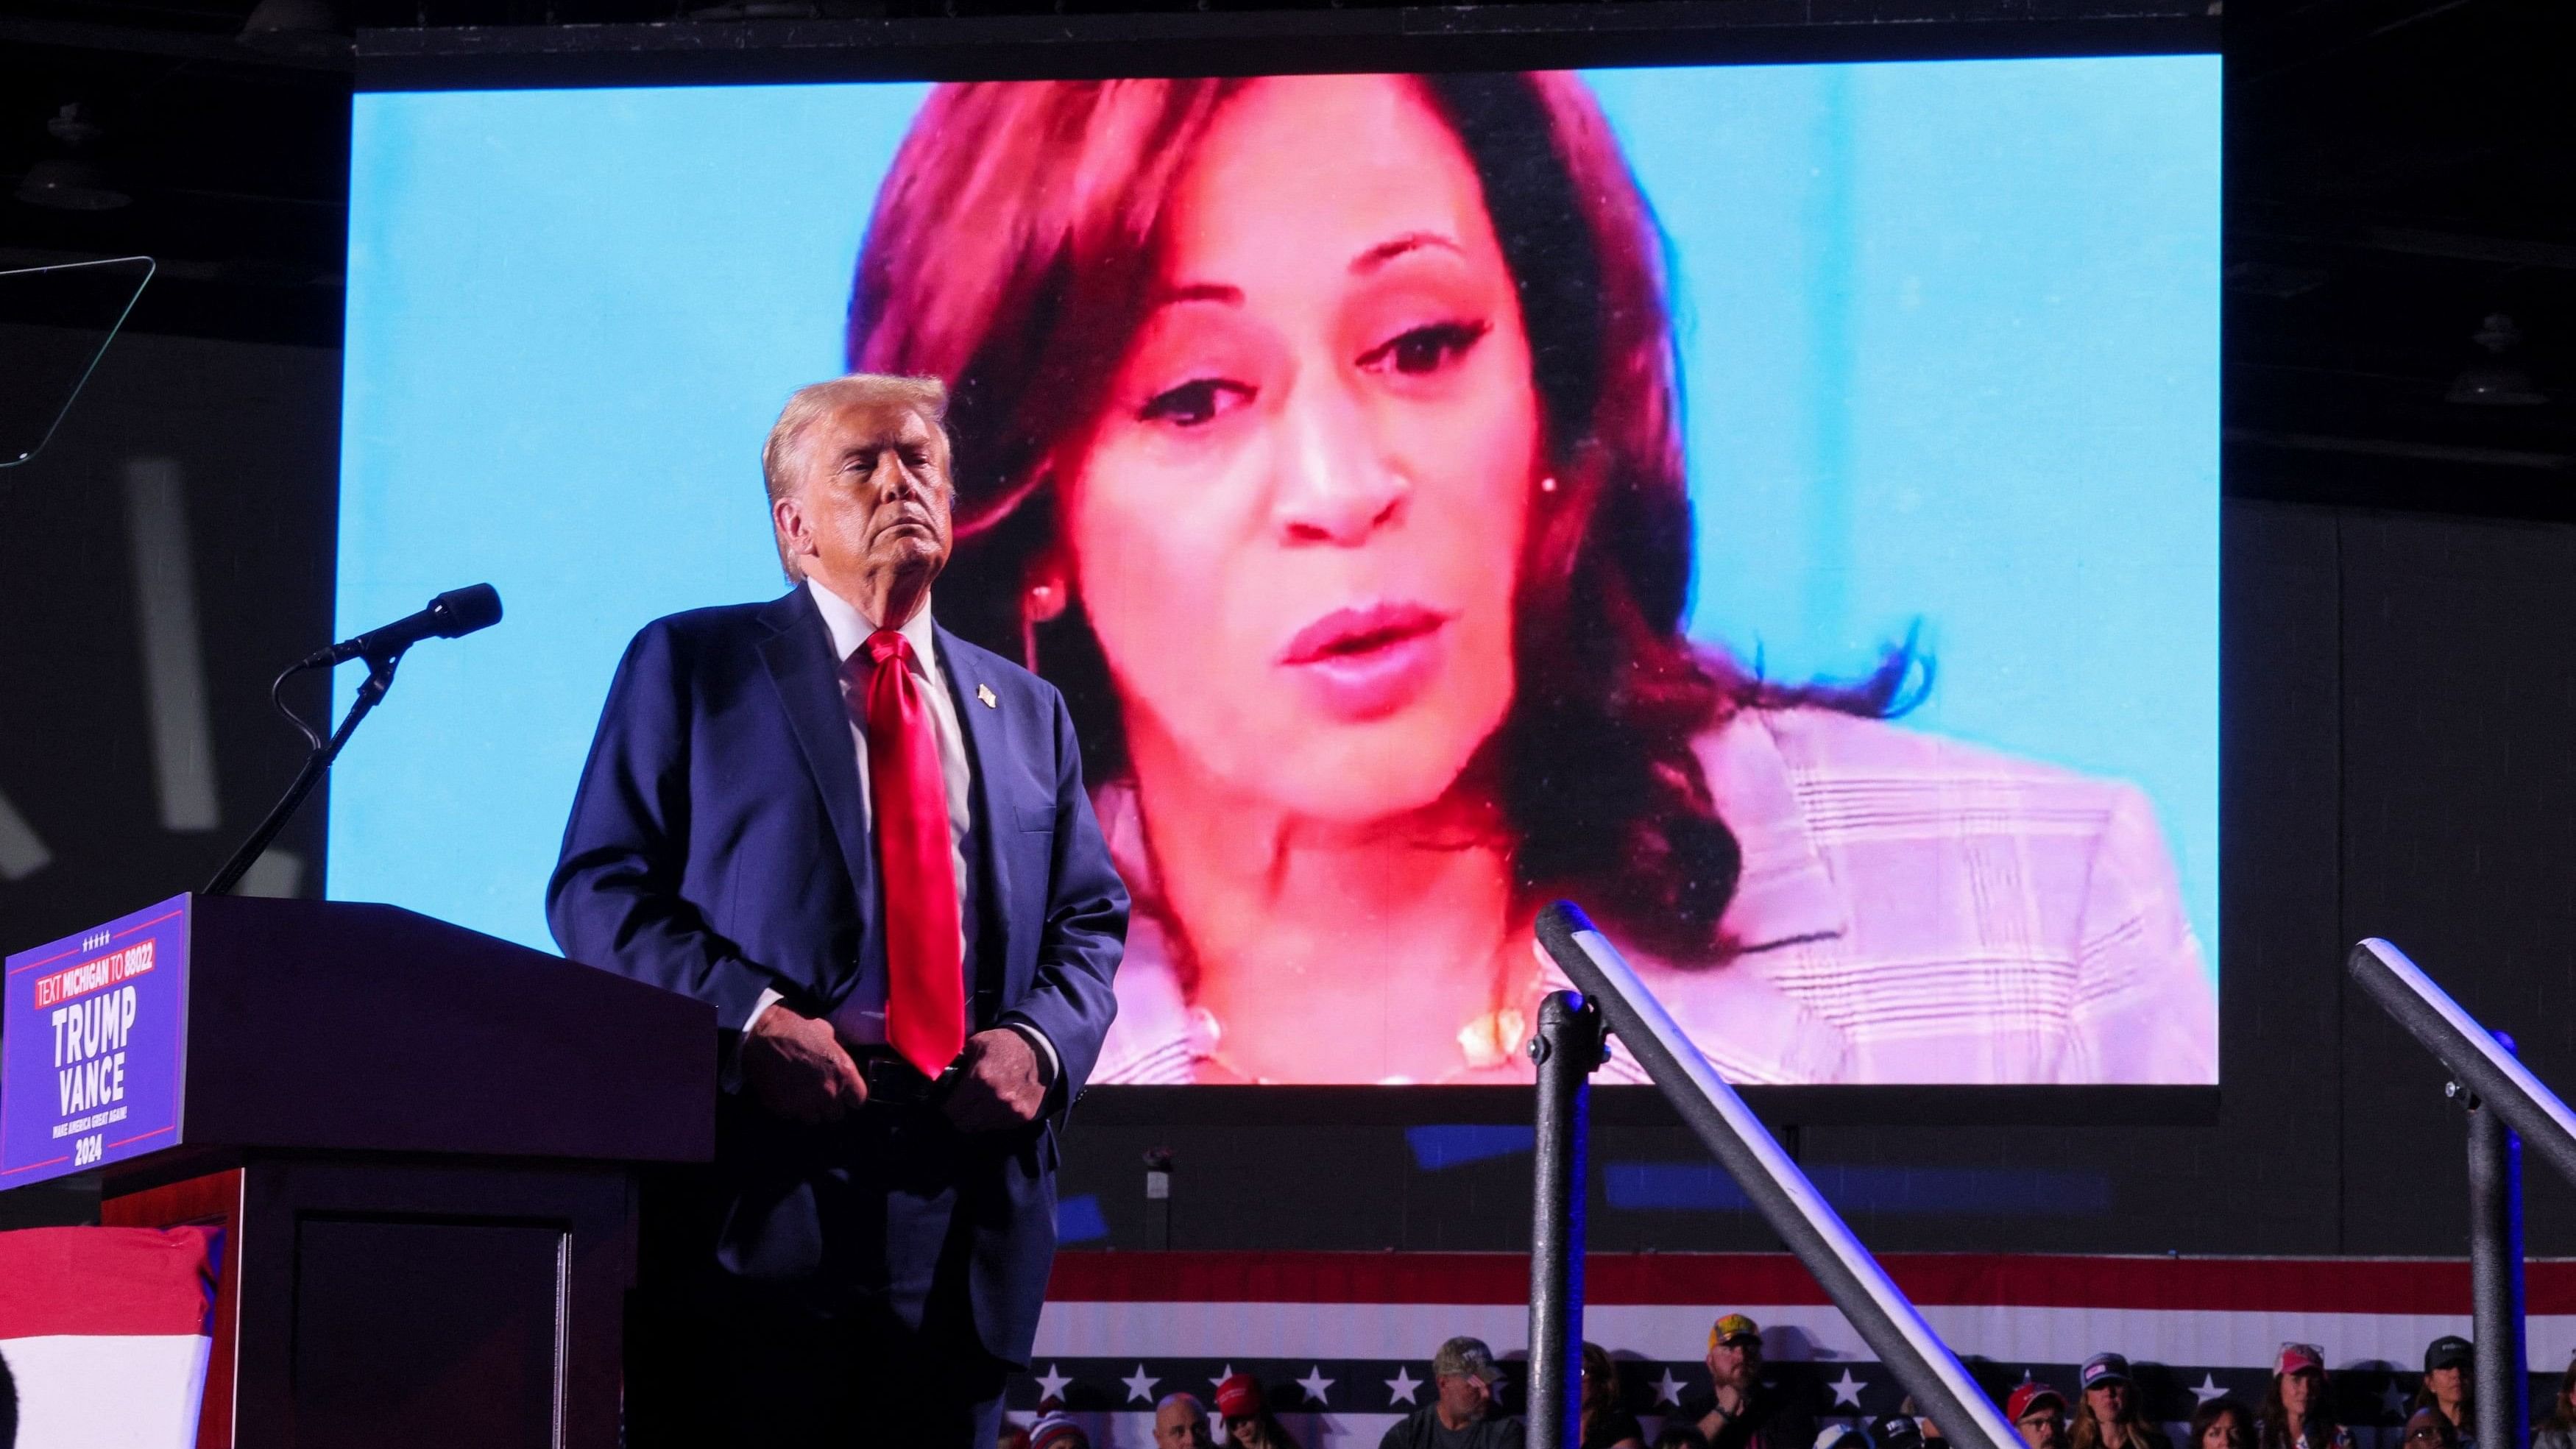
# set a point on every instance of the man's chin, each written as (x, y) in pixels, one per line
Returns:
(907, 549)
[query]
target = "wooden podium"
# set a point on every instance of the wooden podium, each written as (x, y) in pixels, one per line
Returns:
(420, 1142)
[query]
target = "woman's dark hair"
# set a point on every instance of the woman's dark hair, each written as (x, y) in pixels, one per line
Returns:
(2424, 1399)
(2207, 1414)
(1600, 1390)
(2272, 1427)
(1011, 252)
(1271, 1431)
(2562, 1404)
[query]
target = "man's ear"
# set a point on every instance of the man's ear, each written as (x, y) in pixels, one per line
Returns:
(795, 536)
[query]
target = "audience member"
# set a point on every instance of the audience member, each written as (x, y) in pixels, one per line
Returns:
(1897, 1431)
(2557, 1428)
(1248, 1420)
(2038, 1415)
(1607, 1424)
(1679, 1433)
(1842, 1436)
(2427, 1429)
(1927, 1432)
(1462, 1415)
(1181, 1422)
(2447, 1383)
(1057, 1431)
(2222, 1423)
(2297, 1411)
(2108, 1417)
(1744, 1408)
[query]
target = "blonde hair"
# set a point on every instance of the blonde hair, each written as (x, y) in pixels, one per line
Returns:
(812, 403)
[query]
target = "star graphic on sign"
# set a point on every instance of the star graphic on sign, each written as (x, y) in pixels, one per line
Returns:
(1314, 1383)
(1222, 1375)
(1051, 1384)
(1401, 1388)
(1847, 1389)
(2394, 1397)
(1668, 1390)
(2207, 1389)
(1140, 1385)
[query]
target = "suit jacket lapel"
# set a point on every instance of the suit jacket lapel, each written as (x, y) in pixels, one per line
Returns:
(986, 747)
(801, 663)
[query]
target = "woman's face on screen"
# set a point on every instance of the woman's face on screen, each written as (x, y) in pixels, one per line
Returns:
(1298, 522)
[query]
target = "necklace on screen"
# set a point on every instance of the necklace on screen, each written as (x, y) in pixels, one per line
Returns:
(1486, 1042)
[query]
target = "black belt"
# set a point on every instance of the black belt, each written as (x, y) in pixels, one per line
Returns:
(897, 1082)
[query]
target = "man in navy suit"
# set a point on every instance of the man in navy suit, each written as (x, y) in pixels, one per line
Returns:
(866, 843)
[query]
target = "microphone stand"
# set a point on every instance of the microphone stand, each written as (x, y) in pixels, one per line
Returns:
(317, 761)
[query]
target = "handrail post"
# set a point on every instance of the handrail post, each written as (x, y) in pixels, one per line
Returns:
(1940, 1385)
(2495, 1273)
(1567, 1048)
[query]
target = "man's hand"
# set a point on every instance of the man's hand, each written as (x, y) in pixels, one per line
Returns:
(997, 1084)
(795, 1066)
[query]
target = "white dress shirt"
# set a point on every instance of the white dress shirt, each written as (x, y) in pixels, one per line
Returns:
(862, 1018)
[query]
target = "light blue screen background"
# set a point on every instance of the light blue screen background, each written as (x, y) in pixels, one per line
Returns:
(1950, 342)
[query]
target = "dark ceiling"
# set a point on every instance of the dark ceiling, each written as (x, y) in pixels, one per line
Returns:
(2399, 171)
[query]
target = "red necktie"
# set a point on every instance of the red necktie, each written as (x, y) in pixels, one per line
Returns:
(925, 981)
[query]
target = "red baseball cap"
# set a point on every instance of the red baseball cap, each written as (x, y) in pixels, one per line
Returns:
(1238, 1397)
(2298, 1358)
(2028, 1397)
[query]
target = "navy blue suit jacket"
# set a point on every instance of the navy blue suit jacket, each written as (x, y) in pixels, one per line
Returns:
(718, 846)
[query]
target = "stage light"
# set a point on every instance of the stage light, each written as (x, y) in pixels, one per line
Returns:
(296, 27)
(2495, 382)
(758, 10)
(65, 184)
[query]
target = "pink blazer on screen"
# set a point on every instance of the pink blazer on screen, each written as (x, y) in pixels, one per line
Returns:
(1912, 910)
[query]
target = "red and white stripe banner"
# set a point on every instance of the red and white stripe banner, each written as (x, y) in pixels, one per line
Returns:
(104, 1331)
(1341, 1338)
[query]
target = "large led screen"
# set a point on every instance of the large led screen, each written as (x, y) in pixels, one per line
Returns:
(1773, 507)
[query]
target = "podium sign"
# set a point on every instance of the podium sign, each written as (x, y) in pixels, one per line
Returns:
(422, 1146)
(90, 1041)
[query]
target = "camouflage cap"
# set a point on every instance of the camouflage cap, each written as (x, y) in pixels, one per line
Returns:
(1465, 1358)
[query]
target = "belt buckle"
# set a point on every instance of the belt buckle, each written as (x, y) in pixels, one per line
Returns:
(894, 1081)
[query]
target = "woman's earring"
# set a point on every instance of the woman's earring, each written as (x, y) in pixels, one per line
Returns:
(1547, 484)
(1041, 602)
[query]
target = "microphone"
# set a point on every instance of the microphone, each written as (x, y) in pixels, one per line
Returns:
(451, 615)
(454, 613)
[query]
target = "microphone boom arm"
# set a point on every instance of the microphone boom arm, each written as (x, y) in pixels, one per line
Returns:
(317, 763)
(451, 615)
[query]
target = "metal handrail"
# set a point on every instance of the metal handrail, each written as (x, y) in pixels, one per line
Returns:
(1940, 1385)
(2484, 1064)
(2508, 1106)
